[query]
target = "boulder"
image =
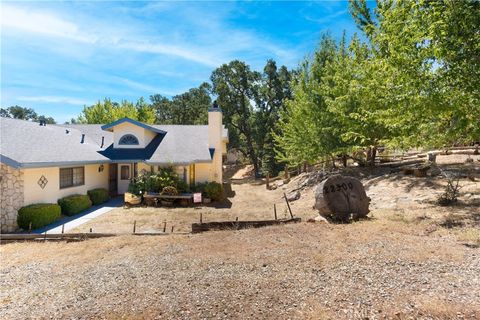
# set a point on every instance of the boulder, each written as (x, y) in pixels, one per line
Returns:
(340, 198)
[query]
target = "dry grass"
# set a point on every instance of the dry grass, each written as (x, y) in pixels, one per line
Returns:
(247, 201)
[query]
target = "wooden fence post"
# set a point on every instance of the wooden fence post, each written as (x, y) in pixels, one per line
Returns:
(63, 228)
(134, 226)
(201, 218)
(164, 226)
(30, 228)
(275, 210)
(288, 205)
(268, 181)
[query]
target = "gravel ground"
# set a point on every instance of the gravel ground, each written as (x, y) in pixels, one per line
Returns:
(371, 269)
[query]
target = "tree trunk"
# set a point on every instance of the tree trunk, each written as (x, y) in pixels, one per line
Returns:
(371, 153)
(373, 156)
(344, 160)
(333, 162)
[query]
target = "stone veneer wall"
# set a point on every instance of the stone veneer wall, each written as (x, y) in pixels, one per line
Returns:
(11, 197)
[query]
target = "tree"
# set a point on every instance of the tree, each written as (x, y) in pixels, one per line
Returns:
(308, 130)
(18, 112)
(237, 87)
(107, 111)
(187, 108)
(48, 120)
(428, 54)
(270, 99)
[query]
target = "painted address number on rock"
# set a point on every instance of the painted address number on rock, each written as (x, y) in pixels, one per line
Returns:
(337, 187)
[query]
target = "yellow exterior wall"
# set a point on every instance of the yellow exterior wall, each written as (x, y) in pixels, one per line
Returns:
(203, 172)
(143, 166)
(33, 193)
(215, 131)
(149, 135)
(144, 136)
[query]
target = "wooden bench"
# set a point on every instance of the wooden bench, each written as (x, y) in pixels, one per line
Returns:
(155, 198)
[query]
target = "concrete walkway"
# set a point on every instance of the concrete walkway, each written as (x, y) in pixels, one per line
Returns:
(81, 218)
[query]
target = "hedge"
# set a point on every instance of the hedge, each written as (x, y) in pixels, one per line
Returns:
(74, 204)
(39, 215)
(98, 196)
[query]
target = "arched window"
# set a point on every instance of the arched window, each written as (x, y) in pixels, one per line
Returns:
(128, 139)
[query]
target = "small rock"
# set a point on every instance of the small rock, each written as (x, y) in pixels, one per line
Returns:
(318, 219)
(294, 195)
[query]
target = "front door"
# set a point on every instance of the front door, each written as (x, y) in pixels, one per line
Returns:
(112, 179)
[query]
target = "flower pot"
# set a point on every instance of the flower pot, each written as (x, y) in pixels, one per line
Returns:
(132, 199)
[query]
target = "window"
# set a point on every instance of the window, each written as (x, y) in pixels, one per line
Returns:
(71, 177)
(128, 139)
(125, 172)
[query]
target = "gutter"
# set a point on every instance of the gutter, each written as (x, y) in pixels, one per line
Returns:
(27, 165)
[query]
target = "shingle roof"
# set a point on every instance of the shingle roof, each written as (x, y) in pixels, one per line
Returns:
(182, 144)
(27, 144)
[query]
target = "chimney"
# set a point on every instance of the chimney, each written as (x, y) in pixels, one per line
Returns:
(215, 131)
(103, 141)
(83, 138)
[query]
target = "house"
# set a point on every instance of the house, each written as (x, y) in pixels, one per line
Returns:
(41, 163)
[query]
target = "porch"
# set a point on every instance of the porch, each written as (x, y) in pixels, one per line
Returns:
(121, 173)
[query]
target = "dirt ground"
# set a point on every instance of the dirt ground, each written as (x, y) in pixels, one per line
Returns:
(410, 260)
(394, 196)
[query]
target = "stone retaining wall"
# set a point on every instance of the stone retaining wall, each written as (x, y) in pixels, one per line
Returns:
(11, 197)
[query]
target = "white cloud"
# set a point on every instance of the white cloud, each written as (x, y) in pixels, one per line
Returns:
(41, 23)
(144, 87)
(216, 44)
(327, 18)
(186, 53)
(55, 99)
(50, 25)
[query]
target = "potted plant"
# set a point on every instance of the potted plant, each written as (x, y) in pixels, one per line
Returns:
(168, 191)
(134, 194)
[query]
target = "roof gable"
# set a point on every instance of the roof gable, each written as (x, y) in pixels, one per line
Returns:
(109, 127)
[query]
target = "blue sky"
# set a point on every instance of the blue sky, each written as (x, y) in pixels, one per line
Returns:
(58, 56)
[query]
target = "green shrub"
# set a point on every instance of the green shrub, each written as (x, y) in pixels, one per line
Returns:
(155, 182)
(39, 215)
(135, 187)
(214, 191)
(74, 204)
(98, 196)
(182, 186)
(199, 187)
